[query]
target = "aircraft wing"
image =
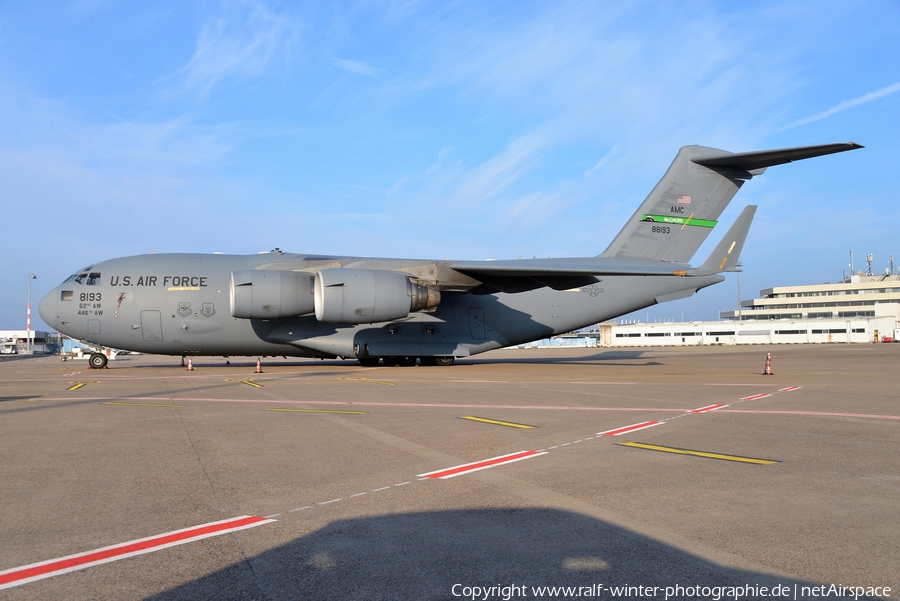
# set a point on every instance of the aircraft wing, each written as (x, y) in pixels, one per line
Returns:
(564, 267)
(558, 274)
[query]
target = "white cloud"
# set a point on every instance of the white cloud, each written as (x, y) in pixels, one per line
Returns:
(238, 44)
(613, 153)
(353, 66)
(864, 99)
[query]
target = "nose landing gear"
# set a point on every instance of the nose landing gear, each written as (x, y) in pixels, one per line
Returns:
(98, 361)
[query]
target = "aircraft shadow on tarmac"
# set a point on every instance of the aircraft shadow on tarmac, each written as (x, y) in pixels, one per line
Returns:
(239, 362)
(600, 357)
(16, 398)
(423, 555)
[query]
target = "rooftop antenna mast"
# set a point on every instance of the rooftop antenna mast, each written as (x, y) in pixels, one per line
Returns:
(869, 258)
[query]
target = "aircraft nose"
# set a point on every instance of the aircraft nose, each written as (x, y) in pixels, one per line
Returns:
(47, 308)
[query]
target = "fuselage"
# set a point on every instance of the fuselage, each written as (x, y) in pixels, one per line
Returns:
(182, 304)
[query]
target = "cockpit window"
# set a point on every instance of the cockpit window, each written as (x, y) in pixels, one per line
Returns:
(85, 279)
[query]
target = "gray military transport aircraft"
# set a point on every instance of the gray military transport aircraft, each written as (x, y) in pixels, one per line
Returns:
(401, 310)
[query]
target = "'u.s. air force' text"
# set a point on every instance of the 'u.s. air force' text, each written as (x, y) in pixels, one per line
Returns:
(193, 281)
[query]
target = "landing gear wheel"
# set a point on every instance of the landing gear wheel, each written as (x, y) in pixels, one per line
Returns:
(400, 361)
(369, 361)
(97, 361)
(444, 361)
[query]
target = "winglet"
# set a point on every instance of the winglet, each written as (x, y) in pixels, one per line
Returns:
(726, 253)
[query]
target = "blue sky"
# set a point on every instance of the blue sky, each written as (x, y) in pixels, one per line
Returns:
(469, 130)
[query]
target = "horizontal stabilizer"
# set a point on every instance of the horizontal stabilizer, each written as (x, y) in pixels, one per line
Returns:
(750, 161)
(725, 256)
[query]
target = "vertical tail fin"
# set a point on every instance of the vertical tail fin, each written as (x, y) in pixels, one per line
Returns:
(680, 212)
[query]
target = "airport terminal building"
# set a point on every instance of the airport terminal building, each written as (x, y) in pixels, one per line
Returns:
(15, 342)
(860, 309)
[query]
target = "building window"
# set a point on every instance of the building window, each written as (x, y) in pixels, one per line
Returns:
(856, 314)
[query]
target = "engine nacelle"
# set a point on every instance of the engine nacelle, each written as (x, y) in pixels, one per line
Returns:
(269, 294)
(369, 296)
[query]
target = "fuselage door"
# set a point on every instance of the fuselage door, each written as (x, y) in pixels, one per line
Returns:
(476, 322)
(151, 325)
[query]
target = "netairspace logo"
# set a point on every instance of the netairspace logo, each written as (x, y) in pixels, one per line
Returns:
(712, 593)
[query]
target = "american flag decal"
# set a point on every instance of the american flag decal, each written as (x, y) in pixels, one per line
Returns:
(684, 200)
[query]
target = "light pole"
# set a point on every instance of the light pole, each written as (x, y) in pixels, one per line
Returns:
(737, 268)
(31, 276)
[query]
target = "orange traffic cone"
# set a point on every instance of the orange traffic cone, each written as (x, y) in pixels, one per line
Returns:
(768, 370)
(258, 366)
(190, 366)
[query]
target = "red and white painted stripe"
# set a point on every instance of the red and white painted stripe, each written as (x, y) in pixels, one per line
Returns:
(631, 428)
(789, 389)
(707, 408)
(755, 397)
(70, 563)
(468, 468)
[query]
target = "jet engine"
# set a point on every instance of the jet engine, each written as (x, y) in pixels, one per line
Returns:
(369, 296)
(269, 294)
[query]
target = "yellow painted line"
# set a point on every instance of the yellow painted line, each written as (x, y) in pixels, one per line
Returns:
(25, 400)
(368, 381)
(141, 404)
(317, 411)
(496, 422)
(76, 385)
(251, 383)
(738, 458)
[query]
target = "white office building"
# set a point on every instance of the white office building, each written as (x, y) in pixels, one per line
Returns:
(861, 309)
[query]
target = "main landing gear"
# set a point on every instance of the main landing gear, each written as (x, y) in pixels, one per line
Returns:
(439, 361)
(399, 361)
